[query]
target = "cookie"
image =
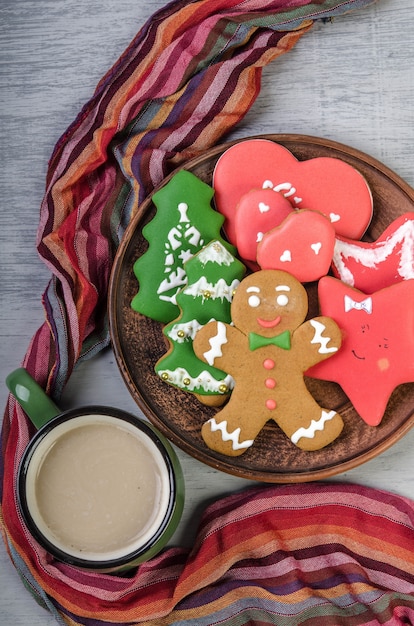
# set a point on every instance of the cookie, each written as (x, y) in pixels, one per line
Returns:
(258, 211)
(213, 274)
(328, 185)
(183, 224)
(266, 349)
(302, 245)
(378, 343)
(373, 266)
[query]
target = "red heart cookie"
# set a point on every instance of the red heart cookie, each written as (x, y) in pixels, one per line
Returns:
(372, 266)
(258, 211)
(302, 245)
(323, 184)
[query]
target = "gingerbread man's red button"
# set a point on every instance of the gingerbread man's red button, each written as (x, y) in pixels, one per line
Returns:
(268, 364)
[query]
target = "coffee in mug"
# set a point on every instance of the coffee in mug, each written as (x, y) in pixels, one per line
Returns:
(100, 488)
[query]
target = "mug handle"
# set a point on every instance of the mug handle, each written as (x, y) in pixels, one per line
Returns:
(31, 397)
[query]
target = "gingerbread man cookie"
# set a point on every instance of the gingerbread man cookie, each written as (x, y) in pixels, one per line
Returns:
(266, 350)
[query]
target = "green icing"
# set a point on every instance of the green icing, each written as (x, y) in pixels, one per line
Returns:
(183, 224)
(213, 274)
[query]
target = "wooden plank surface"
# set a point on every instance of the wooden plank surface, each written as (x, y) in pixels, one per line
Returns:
(351, 80)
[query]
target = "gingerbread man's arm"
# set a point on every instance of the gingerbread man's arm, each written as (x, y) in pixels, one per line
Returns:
(316, 340)
(216, 343)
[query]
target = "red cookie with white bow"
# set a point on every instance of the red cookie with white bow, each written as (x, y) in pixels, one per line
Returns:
(266, 349)
(303, 245)
(378, 343)
(373, 266)
(325, 184)
(258, 211)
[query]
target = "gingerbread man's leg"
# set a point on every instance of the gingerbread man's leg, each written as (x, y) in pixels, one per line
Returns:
(309, 426)
(231, 433)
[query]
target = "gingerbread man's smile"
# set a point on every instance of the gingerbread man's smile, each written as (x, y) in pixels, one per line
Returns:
(268, 323)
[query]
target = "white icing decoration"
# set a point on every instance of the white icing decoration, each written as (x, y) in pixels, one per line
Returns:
(216, 253)
(314, 426)
(227, 436)
(373, 256)
(282, 300)
(176, 280)
(263, 208)
(216, 343)
(267, 184)
(364, 305)
(334, 217)
(204, 380)
(182, 209)
(282, 288)
(297, 200)
(254, 301)
(215, 290)
(285, 187)
(174, 237)
(286, 256)
(193, 236)
(319, 338)
(316, 247)
(259, 237)
(190, 329)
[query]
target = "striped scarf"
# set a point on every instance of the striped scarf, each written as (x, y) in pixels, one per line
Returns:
(287, 555)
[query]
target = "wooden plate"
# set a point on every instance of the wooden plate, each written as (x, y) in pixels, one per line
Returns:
(138, 343)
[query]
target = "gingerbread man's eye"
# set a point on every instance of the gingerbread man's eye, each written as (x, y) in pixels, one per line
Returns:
(254, 301)
(282, 299)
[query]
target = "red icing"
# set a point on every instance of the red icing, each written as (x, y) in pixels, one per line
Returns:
(325, 184)
(271, 404)
(373, 266)
(378, 343)
(270, 383)
(302, 245)
(258, 211)
(269, 323)
(268, 364)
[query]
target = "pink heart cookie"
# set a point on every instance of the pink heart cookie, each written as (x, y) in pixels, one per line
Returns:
(372, 266)
(258, 211)
(328, 185)
(302, 245)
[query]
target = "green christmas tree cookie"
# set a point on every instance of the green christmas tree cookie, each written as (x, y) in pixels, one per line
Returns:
(213, 274)
(183, 224)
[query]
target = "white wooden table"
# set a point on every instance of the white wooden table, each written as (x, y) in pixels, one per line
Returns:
(351, 80)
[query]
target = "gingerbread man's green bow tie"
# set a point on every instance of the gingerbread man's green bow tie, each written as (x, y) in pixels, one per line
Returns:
(281, 341)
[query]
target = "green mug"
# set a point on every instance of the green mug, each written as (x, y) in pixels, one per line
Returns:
(97, 487)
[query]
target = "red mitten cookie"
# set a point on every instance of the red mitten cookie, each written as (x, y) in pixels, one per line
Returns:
(377, 352)
(323, 184)
(302, 245)
(373, 266)
(258, 211)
